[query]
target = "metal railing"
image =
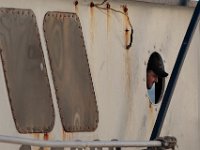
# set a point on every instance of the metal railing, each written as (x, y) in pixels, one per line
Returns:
(77, 144)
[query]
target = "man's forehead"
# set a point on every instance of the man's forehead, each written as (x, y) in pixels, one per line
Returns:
(152, 72)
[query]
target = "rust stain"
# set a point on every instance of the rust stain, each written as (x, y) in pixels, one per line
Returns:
(108, 18)
(126, 25)
(67, 135)
(128, 28)
(127, 56)
(92, 24)
(128, 89)
(125, 9)
(126, 36)
(36, 135)
(92, 4)
(128, 68)
(150, 105)
(151, 117)
(76, 7)
(151, 109)
(46, 136)
(64, 135)
(108, 6)
(128, 72)
(75, 3)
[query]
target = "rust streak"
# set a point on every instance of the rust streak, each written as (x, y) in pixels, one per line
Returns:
(64, 135)
(150, 108)
(151, 116)
(92, 24)
(108, 6)
(126, 25)
(128, 68)
(128, 88)
(92, 4)
(36, 135)
(67, 135)
(128, 73)
(108, 18)
(76, 7)
(125, 9)
(126, 36)
(76, 3)
(46, 136)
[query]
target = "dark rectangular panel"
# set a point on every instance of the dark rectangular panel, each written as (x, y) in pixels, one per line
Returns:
(71, 73)
(25, 71)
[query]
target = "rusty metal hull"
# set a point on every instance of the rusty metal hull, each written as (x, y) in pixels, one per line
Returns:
(118, 74)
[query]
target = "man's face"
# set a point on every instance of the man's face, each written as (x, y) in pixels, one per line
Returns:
(151, 79)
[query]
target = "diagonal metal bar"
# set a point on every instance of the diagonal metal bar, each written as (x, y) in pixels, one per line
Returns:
(175, 73)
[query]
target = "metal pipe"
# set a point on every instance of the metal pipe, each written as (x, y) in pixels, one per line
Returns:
(175, 74)
(78, 144)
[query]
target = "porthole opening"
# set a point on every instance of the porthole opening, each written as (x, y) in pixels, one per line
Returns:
(155, 77)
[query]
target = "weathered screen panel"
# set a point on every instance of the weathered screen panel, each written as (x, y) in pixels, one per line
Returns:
(72, 79)
(25, 147)
(25, 71)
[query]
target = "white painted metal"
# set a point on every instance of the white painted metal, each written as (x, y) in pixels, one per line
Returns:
(119, 75)
(78, 144)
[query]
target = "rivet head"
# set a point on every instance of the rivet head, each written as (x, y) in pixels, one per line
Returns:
(108, 6)
(91, 4)
(76, 3)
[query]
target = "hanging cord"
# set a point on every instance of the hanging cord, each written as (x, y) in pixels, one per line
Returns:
(101, 3)
(118, 11)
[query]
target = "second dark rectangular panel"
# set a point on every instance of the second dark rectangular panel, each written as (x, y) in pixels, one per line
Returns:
(71, 73)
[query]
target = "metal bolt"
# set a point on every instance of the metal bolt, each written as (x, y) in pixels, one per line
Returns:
(108, 6)
(76, 3)
(91, 4)
(125, 8)
(126, 30)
